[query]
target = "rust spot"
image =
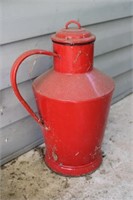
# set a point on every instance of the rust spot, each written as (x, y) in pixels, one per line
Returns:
(55, 157)
(47, 128)
(78, 54)
(61, 164)
(89, 66)
(97, 148)
(76, 154)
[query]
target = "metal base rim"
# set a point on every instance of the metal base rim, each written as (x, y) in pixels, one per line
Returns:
(74, 170)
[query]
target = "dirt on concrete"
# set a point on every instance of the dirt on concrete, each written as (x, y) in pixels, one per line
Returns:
(29, 178)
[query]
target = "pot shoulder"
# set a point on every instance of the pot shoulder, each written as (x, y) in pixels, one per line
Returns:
(73, 87)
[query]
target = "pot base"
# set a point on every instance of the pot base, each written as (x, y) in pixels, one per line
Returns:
(74, 170)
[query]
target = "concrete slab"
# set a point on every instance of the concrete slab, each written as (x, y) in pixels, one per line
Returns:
(28, 178)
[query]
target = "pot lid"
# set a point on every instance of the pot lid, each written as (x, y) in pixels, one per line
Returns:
(75, 35)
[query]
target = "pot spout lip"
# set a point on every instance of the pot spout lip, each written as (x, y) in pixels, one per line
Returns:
(73, 44)
(71, 41)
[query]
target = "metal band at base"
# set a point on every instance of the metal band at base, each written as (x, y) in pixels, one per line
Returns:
(74, 170)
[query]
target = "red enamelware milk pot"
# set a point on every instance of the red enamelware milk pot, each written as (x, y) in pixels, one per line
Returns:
(73, 100)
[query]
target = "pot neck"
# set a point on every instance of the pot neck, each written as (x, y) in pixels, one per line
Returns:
(73, 58)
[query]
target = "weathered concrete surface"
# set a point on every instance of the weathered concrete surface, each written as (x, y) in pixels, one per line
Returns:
(28, 177)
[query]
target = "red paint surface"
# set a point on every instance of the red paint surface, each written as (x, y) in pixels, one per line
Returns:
(75, 109)
(73, 59)
(73, 100)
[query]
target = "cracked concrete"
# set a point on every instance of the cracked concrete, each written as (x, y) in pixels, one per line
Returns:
(28, 178)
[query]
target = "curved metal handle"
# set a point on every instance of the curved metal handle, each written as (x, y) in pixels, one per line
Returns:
(73, 22)
(13, 77)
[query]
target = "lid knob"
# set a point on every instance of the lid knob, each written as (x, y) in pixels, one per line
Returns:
(73, 22)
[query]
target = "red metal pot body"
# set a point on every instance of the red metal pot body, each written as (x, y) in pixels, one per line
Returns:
(73, 100)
